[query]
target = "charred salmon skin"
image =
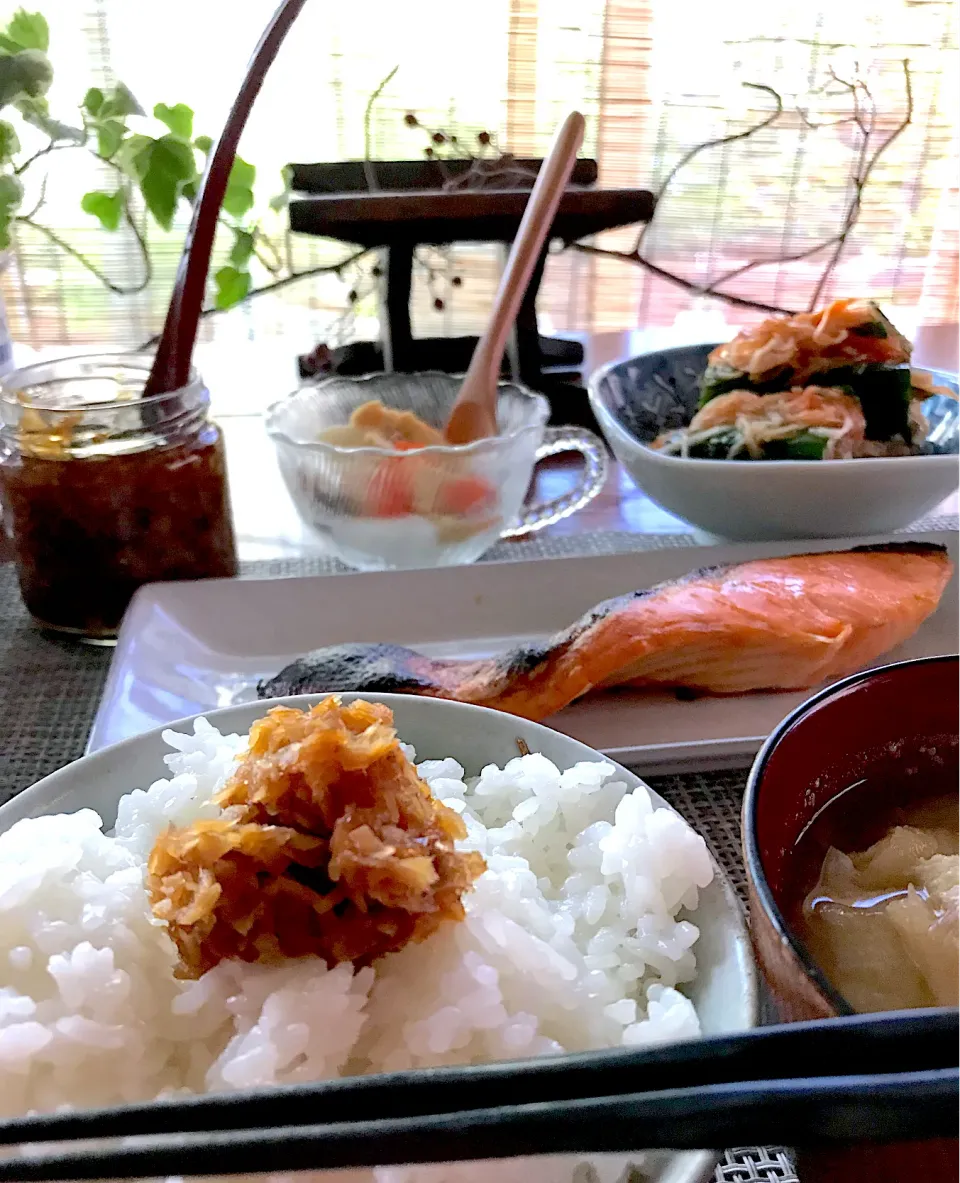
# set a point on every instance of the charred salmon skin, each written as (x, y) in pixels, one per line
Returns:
(768, 624)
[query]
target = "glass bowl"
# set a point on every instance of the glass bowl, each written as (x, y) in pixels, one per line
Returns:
(377, 508)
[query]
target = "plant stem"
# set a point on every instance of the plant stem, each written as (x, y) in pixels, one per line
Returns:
(62, 244)
(51, 147)
(261, 239)
(140, 235)
(40, 200)
(326, 269)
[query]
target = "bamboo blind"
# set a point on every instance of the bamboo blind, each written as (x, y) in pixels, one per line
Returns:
(653, 79)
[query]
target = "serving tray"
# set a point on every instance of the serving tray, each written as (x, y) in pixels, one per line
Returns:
(189, 647)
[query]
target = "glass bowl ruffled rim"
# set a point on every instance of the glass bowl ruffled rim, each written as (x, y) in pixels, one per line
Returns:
(478, 447)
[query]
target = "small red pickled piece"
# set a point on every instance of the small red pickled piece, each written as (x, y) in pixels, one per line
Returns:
(466, 495)
(390, 494)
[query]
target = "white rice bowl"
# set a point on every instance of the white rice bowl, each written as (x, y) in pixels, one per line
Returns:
(576, 937)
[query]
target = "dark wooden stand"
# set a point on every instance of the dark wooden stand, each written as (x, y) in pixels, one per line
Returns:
(411, 209)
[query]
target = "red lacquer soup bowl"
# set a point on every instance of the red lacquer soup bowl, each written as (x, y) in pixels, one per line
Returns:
(882, 739)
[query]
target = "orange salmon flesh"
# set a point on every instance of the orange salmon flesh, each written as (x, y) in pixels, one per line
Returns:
(770, 624)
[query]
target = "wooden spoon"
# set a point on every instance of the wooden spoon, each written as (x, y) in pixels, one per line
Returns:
(171, 365)
(474, 414)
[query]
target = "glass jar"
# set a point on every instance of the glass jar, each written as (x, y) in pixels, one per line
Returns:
(104, 491)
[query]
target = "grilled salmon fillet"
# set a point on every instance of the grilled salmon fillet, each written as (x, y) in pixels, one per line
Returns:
(769, 624)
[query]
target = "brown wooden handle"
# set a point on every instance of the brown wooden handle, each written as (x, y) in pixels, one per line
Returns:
(534, 227)
(171, 365)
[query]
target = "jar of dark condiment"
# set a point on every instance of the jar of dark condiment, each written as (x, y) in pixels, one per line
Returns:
(104, 490)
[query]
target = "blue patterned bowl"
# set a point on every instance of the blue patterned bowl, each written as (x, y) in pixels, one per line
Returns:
(637, 399)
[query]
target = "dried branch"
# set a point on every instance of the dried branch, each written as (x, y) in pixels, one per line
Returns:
(712, 288)
(863, 117)
(687, 284)
(808, 122)
(437, 274)
(369, 172)
(815, 43)
(866, 164)
(502, 171)
(767, 121)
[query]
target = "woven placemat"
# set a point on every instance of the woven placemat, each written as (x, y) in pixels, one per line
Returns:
(607, 542)
(50, 689)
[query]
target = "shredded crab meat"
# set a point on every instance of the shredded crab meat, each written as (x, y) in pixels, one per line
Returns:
(811, 342)
(923, 386)
(759, 418)
(329, 845)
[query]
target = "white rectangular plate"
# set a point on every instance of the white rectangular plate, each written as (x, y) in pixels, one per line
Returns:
(185, 648)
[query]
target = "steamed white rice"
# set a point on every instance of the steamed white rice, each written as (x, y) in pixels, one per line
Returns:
(575, 938)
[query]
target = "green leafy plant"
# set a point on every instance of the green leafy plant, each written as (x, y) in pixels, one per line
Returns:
(155, 165)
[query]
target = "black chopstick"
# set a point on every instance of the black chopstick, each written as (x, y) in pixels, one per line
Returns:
(803, 1113)
(901, 1042)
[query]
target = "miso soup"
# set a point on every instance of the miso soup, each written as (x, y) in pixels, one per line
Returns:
(881, 919)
